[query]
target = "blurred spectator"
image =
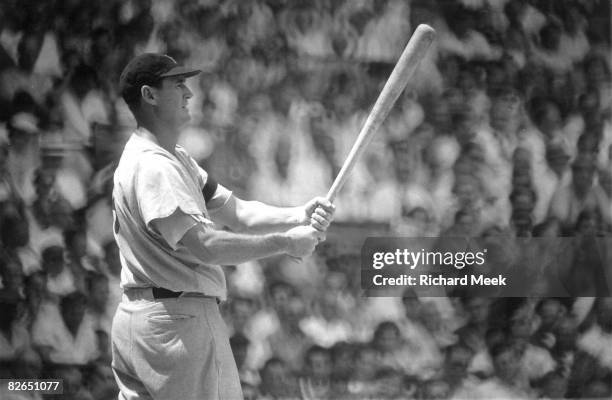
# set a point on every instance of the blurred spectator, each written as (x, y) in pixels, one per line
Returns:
(549, 53)
(65, 333)
(416, 326)
(276, 381)
(290, 341)
(28, 366)
(78, 259)
(508, 382)
(551, 313)
(473, 332)
(240, 346)
(23, 154)
(592, 361)
(402, 353)
(328, 322)
(50, 212)
(435, 389)
(556, 173)
(60, 279)
(100, 382)
(75, 242)
(104, 347)
(306, 32)
(342, 354)
(388, 384)
(14, 335)
(96, 286)
(36, 293)
(597, 75)
(363, 371)
(463, 38)
(593, 341)
(316, 380)
(579, 195)
(8, 190)
(15, 237)
(574, 41)
(11, 278)
(552, 386)
(82, 104)
(262, 322)
(73, 383)
(535, 361)
(455, 373)
(381, 29)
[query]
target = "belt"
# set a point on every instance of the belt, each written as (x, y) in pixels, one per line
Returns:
(158, 293)
(161, 293)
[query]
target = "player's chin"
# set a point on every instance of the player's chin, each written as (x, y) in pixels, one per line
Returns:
(185, 115)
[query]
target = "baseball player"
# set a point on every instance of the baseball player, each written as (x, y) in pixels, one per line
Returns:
(168, 338)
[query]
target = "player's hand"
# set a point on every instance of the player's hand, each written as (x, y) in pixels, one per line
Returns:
(319, 213)
(302, 240)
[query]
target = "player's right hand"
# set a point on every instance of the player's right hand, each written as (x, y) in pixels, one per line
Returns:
(302, 240)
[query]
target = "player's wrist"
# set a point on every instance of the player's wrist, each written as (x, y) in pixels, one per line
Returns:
(297, 216)
(281, 241)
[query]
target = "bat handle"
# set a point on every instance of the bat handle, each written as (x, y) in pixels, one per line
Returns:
(339, 181)
(333, 191)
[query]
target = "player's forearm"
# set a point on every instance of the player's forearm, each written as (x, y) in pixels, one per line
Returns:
(228, 248)
(257, 217)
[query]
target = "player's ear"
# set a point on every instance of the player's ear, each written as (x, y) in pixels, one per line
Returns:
(148, 95)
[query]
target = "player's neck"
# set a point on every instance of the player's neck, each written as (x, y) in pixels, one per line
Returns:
(165, 136)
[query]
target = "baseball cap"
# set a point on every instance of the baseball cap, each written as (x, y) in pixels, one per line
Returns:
(149, 69)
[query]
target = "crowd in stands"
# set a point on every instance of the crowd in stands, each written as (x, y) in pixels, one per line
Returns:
(504, 132)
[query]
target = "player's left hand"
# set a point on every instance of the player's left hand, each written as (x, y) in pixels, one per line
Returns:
(319, 213)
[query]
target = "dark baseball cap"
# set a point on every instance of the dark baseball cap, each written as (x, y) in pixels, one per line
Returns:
(149, 69)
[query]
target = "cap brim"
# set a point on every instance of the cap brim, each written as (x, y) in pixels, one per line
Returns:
(181, 71)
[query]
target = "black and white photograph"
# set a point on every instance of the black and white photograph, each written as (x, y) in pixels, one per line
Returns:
(305, 199)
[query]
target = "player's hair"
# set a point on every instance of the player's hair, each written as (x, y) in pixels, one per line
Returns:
(315, 349)
(280, 284)
(341, 347)
(384, 326)
(270, 362)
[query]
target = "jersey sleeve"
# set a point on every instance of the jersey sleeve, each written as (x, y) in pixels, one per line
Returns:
(219, 198)
(174, 227)
(215, 194)
(161, 189)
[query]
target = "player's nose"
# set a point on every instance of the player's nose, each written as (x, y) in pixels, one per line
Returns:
(187, 93)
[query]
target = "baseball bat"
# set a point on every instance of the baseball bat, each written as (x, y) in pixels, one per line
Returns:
(408, 62)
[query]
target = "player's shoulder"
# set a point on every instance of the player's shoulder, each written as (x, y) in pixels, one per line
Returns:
(143, 164)
(185, 157)
(180, 152)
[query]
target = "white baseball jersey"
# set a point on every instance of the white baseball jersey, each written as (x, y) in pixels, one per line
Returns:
(157, 198)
